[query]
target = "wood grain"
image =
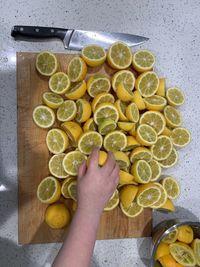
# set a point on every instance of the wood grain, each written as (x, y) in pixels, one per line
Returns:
(33, 158)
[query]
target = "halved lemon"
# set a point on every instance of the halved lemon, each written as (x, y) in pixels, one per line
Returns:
(57, 141)
(48, 190)
(59, 83)
(125, 126)
(132, 143)
(56, 166)
(175, 96)
(196, 249)
(119, 56)
(182, 253)
(102, 98)
(128, 194)
(169, 261)
(181, 137)
(143, 60)
(98, 83)
(162, 148)
(124, 93)
(89, 125)
(106, 126)
(84, 110)
(113, 201)
(67, 111)
(121, 108)
(167, 132)
(172, 116)
(156, 170)
(88, 141)
(72, 190)
(155, 102)
(43, 116)
(185, 234)
(76, 69)
(132, 112)
(163, 197)
(161, 87)
(102, 158)
(155, 119)
(138, 100)
(122, 159)
(141, 171)
(162, 250)
(115, 141)
(76, 90)
(125, 77)
(133, 130)
(64, 187)
(171, 186)
(46, 63)
(147, 83)
(52, 100)
(104, 111)
(126, 178)
(72, 161)
(140, 153)
(73, 130)
(146, 135)
(148, 194)
(93, 55)
(133, 210)
(168, 206)
(171, 160)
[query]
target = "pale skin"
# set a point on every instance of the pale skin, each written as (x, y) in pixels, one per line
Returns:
(95, 187)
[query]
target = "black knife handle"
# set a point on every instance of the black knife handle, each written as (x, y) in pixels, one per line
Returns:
(38, 32)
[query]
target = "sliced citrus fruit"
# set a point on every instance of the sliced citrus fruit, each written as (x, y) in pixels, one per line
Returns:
(56, 167)
(182, 253)
(175, 96)
(115, 141)
(76, 69)
(104, 111)
(121, 108)
(171, 160)
(185, 234)
(46, 63)
(43, 116)
(133, 130)
(168, 206)
(84, 110)
(138, 100)
(73, 130)
(122, 160)
(156, 170)
(89, 125)
(106, 126)
(126, 178)
(163, 197)
(172, 116)
(76, 90)
(147, 83)
(64, 187)
(155, 119)
(167, 132)
(128, 194)
(180, 137)
(125, 77)
(155, 102)
(67, 111)
(132, 112)
(148, 194)
(196, 249)
(88, 141)
(102, 98)
(52, 100)
(59, 83)
(169, 261)
(171, 186)
(48, 190)
(102, 158)
(72, 190)
(113, 201)
(146, 135)
(162, 148)
(161, 87)
(162, 250)
(93, 55)
(123, 93)
(141, 171)
(98, 83)
(140, 153)
(143, 60)
(125, 126)
(72, 161)
(57, 141)
(132, 143)
(119, 56)
(133, 210)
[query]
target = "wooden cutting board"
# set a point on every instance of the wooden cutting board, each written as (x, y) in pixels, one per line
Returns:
(33, 158)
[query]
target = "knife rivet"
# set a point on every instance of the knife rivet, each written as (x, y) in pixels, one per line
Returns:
(37, 30)
(21, 29)
(52, 30)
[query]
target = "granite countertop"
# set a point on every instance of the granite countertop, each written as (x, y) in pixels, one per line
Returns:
(174, 31)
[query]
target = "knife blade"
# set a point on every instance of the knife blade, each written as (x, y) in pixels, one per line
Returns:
(76, 39)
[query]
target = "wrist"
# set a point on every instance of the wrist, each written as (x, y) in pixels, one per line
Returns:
(88, 214)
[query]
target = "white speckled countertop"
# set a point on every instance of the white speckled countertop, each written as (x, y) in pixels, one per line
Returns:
(174, 31)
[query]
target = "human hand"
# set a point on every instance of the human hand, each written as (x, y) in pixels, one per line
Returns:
(96, 184)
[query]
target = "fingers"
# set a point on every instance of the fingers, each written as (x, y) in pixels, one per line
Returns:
(94, 159)
(82, 169)
(109, 164)
(115, 174)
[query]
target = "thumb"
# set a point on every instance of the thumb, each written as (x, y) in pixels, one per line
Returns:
(82, 169)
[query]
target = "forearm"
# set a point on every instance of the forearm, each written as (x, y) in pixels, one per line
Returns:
(78, 247)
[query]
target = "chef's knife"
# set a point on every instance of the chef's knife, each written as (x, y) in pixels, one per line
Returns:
(77, 39)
